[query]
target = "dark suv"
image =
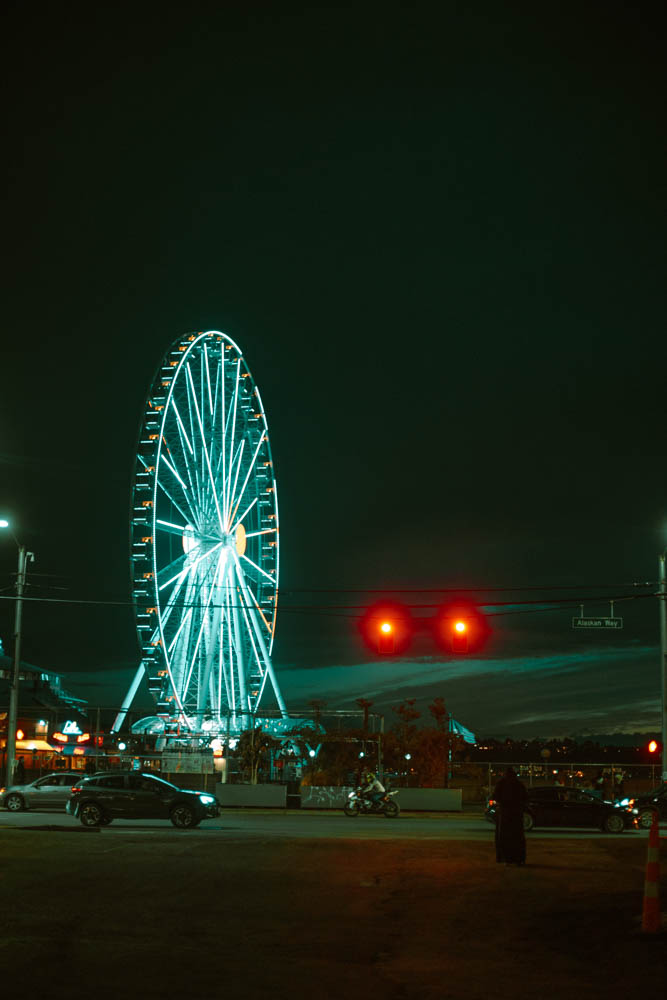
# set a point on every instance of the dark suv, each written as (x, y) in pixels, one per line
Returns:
(571, 807)
(110, 795)
(649, 803)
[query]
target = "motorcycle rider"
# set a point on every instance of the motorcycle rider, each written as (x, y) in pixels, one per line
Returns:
(372, 789)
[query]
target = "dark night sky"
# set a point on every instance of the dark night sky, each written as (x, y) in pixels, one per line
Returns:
(437, 233)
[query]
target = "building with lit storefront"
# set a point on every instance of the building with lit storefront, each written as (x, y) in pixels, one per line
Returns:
(51, 721)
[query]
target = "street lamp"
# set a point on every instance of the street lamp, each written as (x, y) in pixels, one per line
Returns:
(662, 601)
(12, 719)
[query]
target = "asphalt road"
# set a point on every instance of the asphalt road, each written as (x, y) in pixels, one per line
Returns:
(317, 825)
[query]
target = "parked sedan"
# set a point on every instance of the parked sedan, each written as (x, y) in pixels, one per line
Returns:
(570, 807)
(110, 795)
(51, 791)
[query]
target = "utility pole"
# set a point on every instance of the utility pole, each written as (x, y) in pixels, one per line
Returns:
(12, 720)
(662, 603)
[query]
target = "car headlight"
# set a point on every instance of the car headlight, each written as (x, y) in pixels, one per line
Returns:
(635, 812)
(207, 800)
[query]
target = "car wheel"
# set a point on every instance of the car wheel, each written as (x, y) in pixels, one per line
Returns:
(90, 814)
(614, 823)
(14, 803)
(645, 819)
(528, 822)
(183, 817)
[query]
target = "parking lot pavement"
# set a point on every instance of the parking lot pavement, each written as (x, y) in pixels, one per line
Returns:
(159, 912)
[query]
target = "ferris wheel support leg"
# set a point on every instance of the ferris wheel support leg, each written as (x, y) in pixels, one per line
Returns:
(260, 638)
(238, 646)
(129, 698)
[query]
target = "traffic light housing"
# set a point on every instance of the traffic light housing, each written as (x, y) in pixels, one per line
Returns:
(460, 627)
(387, 628)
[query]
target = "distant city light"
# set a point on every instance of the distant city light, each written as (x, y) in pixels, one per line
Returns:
(122, 746)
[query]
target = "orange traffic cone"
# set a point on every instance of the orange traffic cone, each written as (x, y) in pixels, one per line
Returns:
(651, 911)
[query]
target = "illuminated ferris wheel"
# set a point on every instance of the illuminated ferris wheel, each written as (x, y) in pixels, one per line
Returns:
(205, 540)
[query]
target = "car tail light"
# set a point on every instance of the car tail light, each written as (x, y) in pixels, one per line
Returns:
(76, 788)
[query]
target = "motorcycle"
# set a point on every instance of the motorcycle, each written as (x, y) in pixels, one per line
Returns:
(359, 805)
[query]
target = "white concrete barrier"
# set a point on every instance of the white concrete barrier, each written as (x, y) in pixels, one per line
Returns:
(431, 799)
(425, 799)
(323, 796)
(260, 796)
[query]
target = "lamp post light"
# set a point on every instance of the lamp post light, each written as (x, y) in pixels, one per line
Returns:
(12, 718)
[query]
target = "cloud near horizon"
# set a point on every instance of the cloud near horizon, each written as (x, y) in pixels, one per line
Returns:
(580, 693)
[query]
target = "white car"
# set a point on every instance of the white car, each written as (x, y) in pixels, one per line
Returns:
(51, 791)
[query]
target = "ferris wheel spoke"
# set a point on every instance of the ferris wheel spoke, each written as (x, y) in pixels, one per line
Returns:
(184, 621)
(243, 586)
(259, 569)
(194, 463)
(234, 404)
(208, 380)
(205, 453)
(245, 481)
(171, 529)
(222, 671)
(189, 494)
(173, 597)
(258, 660)
(259, 610)
(246, 511)
(214, 415)
(177, 477)
(237, 461)
(223, 427)
(183, 434)
(165, 570)
(195, 654)
(169, 497)
(232, 687)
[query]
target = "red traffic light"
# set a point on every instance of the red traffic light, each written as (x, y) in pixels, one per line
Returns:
(387, 628)
(460, 627)
(653, 746)
(459, 636)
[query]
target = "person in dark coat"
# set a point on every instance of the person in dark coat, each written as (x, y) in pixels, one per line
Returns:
(510, 795)
(19, 772)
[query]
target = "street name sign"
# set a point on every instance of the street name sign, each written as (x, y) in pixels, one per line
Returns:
(597, 623)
